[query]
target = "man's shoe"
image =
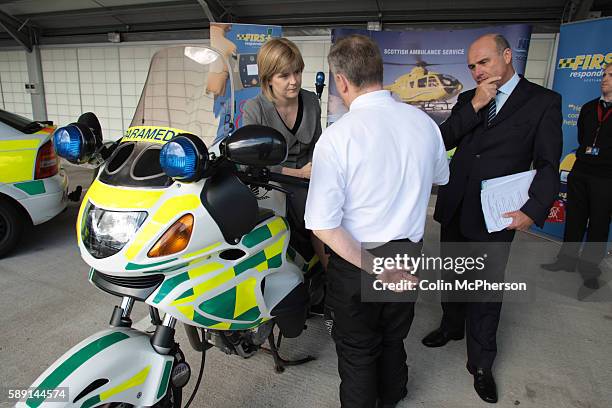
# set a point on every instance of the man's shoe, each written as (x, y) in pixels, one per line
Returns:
(380, 404)
(558, 266)
(591, 283)
(439, 338)
(484, 384)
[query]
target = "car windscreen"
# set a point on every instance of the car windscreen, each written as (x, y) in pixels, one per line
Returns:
(20, 123)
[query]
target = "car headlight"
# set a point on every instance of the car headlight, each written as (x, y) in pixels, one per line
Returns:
(105, 232)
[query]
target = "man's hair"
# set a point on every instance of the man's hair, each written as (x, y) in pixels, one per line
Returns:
(501, 43)
(276, 56)
(358, 58)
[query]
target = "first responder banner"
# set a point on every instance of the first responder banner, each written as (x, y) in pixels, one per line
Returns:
(584, 50)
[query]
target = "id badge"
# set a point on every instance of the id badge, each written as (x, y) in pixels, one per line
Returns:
(591, 150)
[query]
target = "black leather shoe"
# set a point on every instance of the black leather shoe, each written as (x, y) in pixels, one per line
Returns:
(591, 283)
(439, 338)
(484, 384)
(380, 404)
(558, 266)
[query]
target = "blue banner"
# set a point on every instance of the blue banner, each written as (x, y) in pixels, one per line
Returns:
(239, 43)
(584, 49)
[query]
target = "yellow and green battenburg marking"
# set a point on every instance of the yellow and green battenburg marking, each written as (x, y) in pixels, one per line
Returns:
(172, 208)
(33, 187)
(72, 363)
(19, 158)
(202, 251)
(303, 265)
(239, 302)
(267, 231)
(103, 195)
(132, 382)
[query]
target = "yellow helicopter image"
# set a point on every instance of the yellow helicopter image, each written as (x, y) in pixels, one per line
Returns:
(424, 87)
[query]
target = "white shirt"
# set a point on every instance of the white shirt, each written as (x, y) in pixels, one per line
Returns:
(504, 91)
(373, 169)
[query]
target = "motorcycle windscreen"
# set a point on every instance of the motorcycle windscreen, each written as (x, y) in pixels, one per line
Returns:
(180, 90)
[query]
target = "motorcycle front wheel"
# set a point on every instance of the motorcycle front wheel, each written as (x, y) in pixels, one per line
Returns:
(172, 399)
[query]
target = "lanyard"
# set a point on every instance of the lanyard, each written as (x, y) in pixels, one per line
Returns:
(601, 118)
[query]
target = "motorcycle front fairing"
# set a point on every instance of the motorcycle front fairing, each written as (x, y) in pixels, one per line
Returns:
(237, 266)
(116, 365)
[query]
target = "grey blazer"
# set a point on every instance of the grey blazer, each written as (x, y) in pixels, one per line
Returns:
(260, 111)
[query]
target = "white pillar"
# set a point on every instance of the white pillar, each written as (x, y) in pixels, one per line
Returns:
(35, 75)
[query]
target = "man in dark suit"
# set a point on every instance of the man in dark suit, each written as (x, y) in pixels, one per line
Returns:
(501, 127)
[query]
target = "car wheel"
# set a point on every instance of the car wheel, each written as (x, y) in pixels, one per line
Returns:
(11, 227)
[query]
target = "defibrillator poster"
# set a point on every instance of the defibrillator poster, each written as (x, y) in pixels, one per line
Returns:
(239, 44)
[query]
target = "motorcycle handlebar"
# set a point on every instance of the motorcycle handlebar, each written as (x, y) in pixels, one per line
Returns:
(282, 178)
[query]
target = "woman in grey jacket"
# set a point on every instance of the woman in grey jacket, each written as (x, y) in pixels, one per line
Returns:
(295, 113)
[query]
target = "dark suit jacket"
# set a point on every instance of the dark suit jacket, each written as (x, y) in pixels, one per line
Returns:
(526, 131)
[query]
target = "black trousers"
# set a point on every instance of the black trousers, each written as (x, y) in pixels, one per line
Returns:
(476, 315)
(589, 202)
(300, 239)
(369, 339)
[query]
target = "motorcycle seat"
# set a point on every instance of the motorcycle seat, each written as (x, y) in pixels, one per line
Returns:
(264, 214)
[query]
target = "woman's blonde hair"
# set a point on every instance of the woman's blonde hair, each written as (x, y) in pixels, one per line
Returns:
(277, 55)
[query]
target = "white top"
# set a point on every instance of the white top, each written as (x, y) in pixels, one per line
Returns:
(504, 91)
(373, 169)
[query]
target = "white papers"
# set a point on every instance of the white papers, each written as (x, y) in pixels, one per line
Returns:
(504, 194)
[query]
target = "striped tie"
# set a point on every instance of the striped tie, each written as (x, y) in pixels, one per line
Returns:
(492, 110)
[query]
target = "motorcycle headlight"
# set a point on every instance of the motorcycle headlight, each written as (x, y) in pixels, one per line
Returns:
(105, 232)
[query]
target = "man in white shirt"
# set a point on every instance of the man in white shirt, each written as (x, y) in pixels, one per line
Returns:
(371, 179)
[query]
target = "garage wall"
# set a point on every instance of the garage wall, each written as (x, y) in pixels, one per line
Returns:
(13, 76)
(541, 58)
(314, 52)
(108, 79)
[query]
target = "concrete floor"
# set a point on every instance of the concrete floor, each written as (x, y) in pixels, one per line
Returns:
(554, 351)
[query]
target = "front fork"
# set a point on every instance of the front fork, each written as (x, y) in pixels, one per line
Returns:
(121, 314)
(162, 340)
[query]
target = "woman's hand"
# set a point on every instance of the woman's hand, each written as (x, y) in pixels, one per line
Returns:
(306, 170)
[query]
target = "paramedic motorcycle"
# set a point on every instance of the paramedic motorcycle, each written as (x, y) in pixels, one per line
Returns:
(191, 226)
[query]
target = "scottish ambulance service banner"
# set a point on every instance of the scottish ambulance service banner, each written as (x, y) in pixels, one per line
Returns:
(584, 49)
(428, 69)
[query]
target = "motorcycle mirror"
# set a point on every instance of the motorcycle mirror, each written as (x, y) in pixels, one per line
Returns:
(255, 145)
(90, 120)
